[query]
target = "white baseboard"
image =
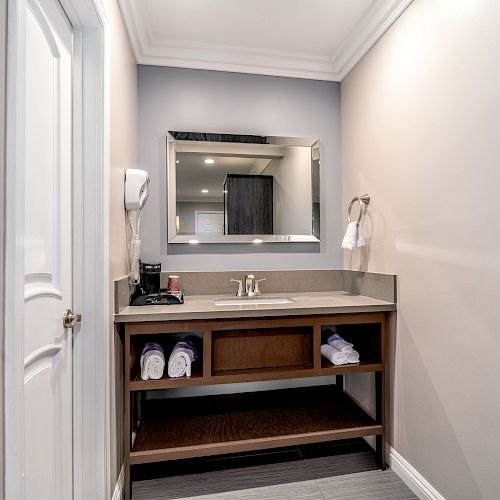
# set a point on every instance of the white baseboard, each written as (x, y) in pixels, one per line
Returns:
(411, 477)
(118, 493)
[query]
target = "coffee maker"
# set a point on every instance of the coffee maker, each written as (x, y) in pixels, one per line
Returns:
(148, 291)
(150, 278)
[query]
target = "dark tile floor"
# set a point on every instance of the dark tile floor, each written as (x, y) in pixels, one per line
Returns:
(341, 470)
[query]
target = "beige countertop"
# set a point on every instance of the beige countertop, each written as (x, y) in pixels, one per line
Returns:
(203, 307)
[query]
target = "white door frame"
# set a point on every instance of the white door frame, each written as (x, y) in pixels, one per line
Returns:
(91, 354)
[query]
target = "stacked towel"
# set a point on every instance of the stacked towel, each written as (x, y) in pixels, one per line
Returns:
(341, 349)
(339, 343)
(333, 355)
(181, 358)
(152, 361)
(353, 237)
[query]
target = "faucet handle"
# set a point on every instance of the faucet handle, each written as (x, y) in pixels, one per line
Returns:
(256, 286)
(239, 293)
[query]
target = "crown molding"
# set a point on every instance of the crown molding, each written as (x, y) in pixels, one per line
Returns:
(376, 20)
(135, 29)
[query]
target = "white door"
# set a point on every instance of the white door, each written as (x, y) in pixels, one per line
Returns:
(209, 222)
(44, 232)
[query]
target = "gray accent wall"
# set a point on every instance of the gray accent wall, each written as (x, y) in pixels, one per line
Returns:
(211, 101)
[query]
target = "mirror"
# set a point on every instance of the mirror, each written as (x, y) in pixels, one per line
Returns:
(231, 188)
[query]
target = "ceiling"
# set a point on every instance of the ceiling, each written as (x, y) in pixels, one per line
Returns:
(313, 39)
(193, 175)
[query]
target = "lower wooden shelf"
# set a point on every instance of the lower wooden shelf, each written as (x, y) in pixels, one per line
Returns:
(213, 425)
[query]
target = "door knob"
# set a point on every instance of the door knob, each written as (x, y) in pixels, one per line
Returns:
(70, 319)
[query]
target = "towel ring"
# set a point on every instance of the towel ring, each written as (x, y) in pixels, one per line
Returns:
(365, 199)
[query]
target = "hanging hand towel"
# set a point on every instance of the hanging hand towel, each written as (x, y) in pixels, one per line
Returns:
(333, 355)
(181, 358)
(152, 361)
(353, 237)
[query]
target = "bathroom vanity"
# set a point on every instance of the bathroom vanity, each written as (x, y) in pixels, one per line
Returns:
(255, 343)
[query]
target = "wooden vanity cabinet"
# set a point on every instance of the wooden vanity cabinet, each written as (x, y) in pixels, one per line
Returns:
(250, 350)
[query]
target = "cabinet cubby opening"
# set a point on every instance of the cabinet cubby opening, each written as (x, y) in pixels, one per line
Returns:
(167, 341)
(261, 350)
(366, 338)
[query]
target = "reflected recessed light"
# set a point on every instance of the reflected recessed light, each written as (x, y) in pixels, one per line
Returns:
(177, 161)
(204, 190)
(209, 161)
(193, 242)
(257, 240)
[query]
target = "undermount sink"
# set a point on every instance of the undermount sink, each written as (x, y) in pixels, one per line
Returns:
(252, 301)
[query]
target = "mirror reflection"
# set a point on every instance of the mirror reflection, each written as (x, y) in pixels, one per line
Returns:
(242, 188)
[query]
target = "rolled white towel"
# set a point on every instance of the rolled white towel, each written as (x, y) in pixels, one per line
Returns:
(339, 343)
(333, 355)
(180, 360)
(353, 356)
(152, 361)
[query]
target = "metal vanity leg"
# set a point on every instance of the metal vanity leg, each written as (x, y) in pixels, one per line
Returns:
(380, 439)
(127, 485)
(380, 388)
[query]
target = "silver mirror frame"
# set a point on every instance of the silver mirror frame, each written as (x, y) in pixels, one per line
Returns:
(171, 189)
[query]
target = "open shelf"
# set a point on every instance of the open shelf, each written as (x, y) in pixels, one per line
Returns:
(251, 375)
(262, 349)
(196, 378)
(212, 425)
(262, 374)
(328, 368)
(167, 341)
(264, 370)
(366, 338)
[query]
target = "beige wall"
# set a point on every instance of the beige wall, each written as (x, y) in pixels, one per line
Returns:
(123, 155)
(421, 133)
(3, 30)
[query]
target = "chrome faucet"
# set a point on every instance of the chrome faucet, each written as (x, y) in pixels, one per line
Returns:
(251, 288)
(249, 284)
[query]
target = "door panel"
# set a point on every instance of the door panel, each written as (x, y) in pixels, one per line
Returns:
(211, 222)
(48, 458)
